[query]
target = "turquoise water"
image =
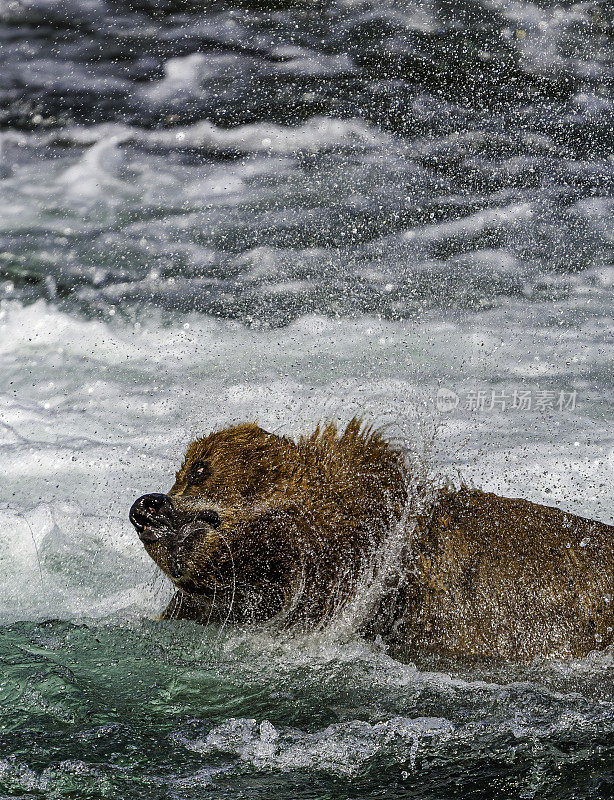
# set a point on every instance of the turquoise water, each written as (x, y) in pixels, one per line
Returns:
(146, 709)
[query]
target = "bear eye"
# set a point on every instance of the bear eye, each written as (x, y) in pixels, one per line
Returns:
(197, 472)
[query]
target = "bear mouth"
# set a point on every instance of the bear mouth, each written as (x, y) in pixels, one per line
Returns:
(156, 517)
(165, 529)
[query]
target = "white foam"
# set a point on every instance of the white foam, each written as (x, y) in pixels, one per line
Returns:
(467, 227)
(314, 135)
(98, 167)
(103, 411)
(341, 749)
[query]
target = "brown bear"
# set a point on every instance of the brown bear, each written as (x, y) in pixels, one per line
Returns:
(260, 528)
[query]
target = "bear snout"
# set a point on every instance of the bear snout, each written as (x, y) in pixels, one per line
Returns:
(150, 515)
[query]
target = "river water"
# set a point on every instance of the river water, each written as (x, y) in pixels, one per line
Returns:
(292, 211)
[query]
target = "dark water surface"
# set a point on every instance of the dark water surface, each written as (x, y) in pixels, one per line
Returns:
(289, 211)
(150, 711)
(266, 160)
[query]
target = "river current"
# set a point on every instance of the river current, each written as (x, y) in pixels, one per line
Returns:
(292, 211)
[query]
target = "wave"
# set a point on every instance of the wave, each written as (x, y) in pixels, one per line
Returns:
(104, 410)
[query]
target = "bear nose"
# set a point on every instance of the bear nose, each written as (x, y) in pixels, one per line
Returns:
(149, 512)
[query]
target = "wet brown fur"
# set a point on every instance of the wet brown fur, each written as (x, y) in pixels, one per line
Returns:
(478, 574)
